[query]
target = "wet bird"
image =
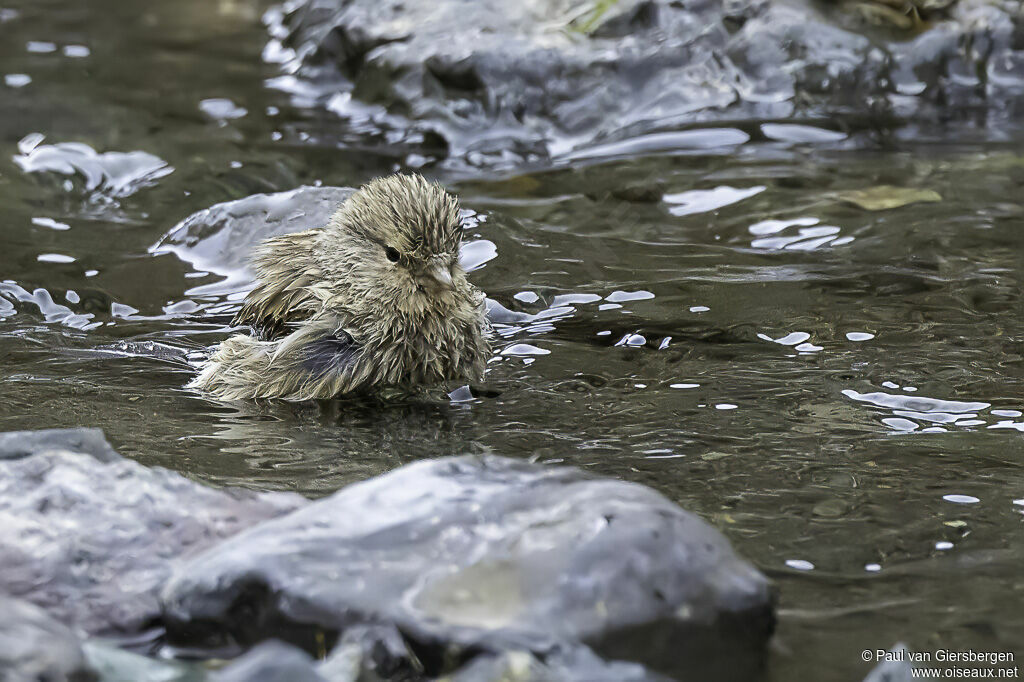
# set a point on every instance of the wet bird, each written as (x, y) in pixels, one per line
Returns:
(373, 300)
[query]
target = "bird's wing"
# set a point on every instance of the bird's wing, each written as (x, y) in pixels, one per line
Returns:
(286, 273)
(316, 361)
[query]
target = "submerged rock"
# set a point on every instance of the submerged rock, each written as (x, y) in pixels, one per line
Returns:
(220, 239)
(372, 652)
(35, 647)
(91, 538)
(273, 662)
(113, 664)
(356, 659)
(467, 555)
(18, 444)
(497, 83)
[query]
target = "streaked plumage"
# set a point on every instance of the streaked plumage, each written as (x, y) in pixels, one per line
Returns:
(374, 299)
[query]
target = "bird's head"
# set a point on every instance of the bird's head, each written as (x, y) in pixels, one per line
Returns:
(395, 243)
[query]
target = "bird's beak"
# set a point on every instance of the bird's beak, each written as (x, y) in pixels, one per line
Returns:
(440, 274)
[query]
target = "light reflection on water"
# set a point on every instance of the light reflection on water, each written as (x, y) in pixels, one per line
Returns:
(914, 412)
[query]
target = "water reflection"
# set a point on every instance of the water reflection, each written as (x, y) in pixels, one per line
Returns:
(50, 309)
(809, 235)
(914, 412)
(700, 201)
(221, 108)
(50, 223)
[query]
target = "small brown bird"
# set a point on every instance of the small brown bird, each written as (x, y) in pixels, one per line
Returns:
(375, 299)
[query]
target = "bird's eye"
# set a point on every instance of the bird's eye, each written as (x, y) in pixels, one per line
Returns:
(392, 254)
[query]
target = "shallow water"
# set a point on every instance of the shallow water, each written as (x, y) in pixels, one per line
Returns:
(838, 389)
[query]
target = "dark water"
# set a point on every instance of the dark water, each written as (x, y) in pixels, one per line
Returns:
(840, 391)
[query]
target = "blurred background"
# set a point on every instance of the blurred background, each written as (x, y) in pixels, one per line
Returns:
(766, 258)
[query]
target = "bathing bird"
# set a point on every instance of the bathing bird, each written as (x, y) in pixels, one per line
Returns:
(373, 300)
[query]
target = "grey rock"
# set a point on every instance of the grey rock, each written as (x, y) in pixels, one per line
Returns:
(18, 444)
(577, 665)
(497, 83)
(92, 541)
(34, 646)
(220, 239)
(368, 653)
(272, 661)
(113, 664)
(467, 555)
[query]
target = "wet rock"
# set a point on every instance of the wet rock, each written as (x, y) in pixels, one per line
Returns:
(499, 314)
(372, 652)
(495, 83)
(576, 665)
(637, 193)
(34, 646)
(366, 654)
(467, 555)
(18, 444)
(272, 662)
(220, 239)
(91, 539)
(113, 664)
